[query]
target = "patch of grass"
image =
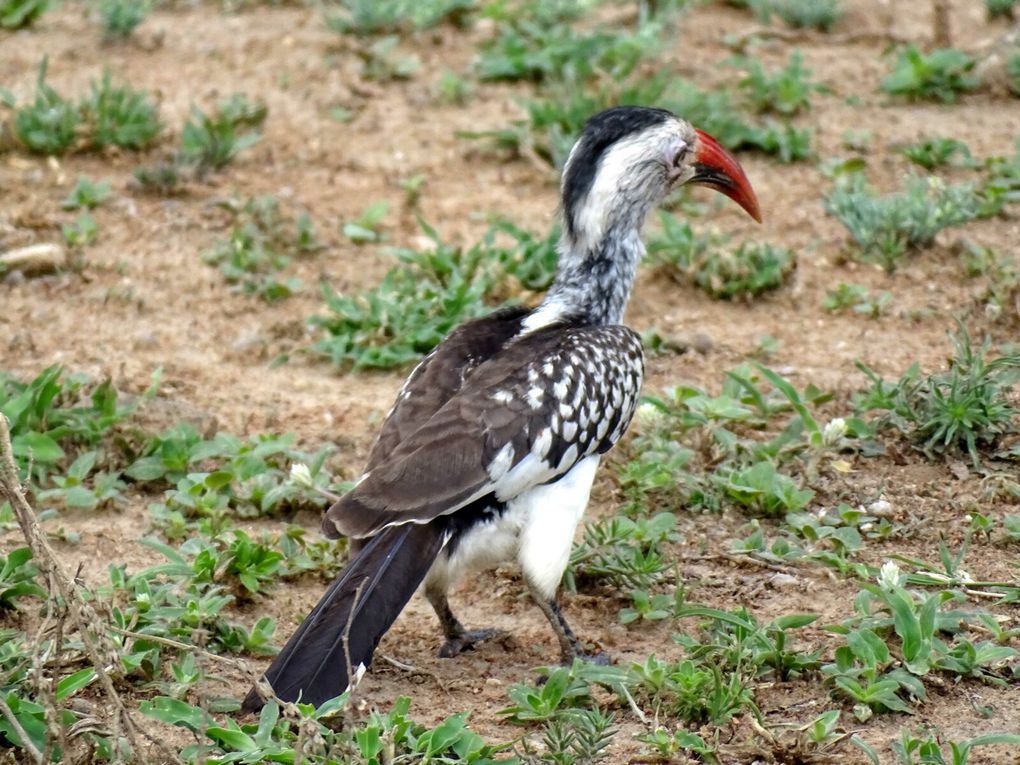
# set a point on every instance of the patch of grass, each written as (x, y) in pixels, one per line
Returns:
(375, 17)
(212, 141)
(912, 750)
(432, 291)
(1013, 72)
(800, 14)
(1000, 8)
(50, 123)
(858, 299)
(119, 18)
(15, 14)
(261, 244)
(786, 91)
(941, 75)
(82, 232)
(967, 408)
(86, 195)
(735, 449)
(18, 578)
(886, 228)
(747, 271)
(365, 228)
(381, 61)
(109, 116)
(938, 152)
(119, 116)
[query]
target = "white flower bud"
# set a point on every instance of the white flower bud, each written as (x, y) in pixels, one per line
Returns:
(889, 577)
(834, 430)
(301, 476)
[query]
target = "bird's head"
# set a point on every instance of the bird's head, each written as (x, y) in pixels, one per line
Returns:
(629, 158)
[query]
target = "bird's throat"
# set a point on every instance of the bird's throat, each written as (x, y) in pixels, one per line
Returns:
(593, 284)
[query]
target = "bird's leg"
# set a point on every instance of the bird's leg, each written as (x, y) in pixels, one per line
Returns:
(458, 639)
(570, 647)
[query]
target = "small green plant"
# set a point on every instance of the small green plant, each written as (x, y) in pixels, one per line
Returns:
(82, 232)
(382, 63)
(120, 116)
(886, 228)
(911, 750)
(941, 75)
(15, 14)
(428, 294)
(86, 195)
(937, 152)
(997, 8)
(18, 578)
(119, 18)
(747, 271)
(967, 407)
(50, 123)
(858, 299)
(801, 14)
(580, 736)
(109, 116)
(364, 228)
(261, 244)
(374, 17)
(787, 91)
(210, 142)
(1013, 73)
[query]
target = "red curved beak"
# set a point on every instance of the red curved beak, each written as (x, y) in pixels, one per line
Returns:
(716, 168)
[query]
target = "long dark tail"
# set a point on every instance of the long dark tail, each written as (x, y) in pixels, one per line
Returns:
(347, 624)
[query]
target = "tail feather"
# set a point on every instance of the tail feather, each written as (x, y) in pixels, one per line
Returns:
(347, 623)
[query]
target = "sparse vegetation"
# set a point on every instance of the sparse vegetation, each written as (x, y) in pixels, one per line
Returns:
(186, 520)
(119, 18)
(886, 228)
(15, 14)
(110, 116)
(941, 75)
(746, 271)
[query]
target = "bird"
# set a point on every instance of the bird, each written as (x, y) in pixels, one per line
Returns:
(491, 448)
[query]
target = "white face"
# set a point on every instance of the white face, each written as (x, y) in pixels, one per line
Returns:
(635, 174)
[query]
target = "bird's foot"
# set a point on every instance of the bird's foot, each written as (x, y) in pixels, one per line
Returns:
(468, 641)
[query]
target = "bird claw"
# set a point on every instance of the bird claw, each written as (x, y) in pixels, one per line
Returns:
(597, 657)
(468, 642)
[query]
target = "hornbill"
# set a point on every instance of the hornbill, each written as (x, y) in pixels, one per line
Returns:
(491, 448)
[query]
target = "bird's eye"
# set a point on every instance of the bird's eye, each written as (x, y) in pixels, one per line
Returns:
(680, 157)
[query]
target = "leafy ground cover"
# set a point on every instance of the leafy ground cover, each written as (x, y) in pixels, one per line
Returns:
(807, 549)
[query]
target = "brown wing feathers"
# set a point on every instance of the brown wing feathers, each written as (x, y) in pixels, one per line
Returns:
(540, 397)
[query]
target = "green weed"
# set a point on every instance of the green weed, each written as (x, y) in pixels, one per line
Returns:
(374, 17)
(886, 228)
(968, 407)
(801, 14)
(787, 91)
(365, 228)
(109, 116)
(911, 750)
(262, 243)
(941, 75)
(86, 195)
(18, 578)
(381, 61)
(997, 8)
(210, 142)
(119, 116)
(427, 295)
(50, 123)
(747, 271)
(937, 152)
(119, 18)
(15, 14)
(82, 232)
(858, 299)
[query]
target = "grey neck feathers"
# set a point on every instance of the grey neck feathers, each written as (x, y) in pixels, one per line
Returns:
(595, 274)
